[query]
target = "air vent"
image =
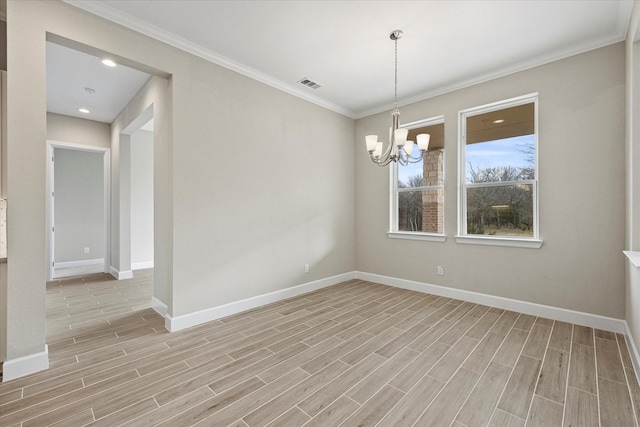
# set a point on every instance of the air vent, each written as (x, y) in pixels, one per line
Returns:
(309, 83)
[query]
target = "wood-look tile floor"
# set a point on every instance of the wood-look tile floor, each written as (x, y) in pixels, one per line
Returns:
(354, 354)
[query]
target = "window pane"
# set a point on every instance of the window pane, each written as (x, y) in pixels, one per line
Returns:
(500, 145)
(410, 176)
(421, 211)
(511, 159)
(500, 210)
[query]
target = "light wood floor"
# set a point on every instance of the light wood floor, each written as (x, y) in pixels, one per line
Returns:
(355, 354)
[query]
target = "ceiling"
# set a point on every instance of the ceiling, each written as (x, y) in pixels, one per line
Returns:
(344, 46)
(73, 75)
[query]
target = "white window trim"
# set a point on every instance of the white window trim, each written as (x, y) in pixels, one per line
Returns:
(393, 200)
(462, 237)
(415, 235)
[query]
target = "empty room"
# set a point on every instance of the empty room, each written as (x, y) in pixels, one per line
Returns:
(320, 213)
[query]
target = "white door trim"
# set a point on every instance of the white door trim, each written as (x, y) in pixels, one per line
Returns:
(51, 145)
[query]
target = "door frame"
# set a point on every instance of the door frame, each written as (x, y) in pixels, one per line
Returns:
(106, 166)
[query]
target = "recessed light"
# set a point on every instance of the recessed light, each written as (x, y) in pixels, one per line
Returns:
(108, 62)
(498, 121)
(84, 110)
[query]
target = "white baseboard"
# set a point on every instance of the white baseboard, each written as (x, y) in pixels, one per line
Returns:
(141, 265)
(79, 263)
(192, 319)
(580, 318)
(159, 307)
(555, 313)
(120, 275)
(549, 312)
(22, 366)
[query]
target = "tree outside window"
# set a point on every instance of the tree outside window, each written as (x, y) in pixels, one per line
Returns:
(499, 173)
(419, 187)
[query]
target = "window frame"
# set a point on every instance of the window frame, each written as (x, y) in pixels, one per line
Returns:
(393, 232)
(463, 237)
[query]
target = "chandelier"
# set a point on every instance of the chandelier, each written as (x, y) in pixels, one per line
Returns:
(399, 149)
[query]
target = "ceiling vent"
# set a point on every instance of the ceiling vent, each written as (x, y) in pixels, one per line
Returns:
(309, 83)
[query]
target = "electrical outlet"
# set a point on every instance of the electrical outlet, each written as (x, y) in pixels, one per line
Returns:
(440, 270)
(87, 250)
(306, 268)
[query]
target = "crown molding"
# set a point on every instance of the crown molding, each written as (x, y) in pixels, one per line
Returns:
(157, 33)
(502, 72)
(97, 8)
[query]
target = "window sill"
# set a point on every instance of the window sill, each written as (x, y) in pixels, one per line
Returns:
(634, 257)
(500, 241)
(427, 237)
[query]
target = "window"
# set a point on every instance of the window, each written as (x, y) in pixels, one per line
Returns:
(498, 167)
(417, 205)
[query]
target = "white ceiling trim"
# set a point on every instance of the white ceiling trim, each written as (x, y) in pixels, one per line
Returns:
(521, 66)
(171, 39)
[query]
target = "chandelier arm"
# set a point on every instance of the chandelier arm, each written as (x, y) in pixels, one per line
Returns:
(416, 159)
(381, 161)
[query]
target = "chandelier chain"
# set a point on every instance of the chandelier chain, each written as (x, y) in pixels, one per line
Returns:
(395, 96)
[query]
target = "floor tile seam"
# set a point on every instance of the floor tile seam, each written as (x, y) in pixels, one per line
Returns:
(87, 398)
(634, 410)
(301, 410)
(614, 381)
(339, 358)
(186, 353)
(360, 405)
(176, 414)
(341, 395)
(128, 405)
(412, 360)
(481, 375)
(566, 384)
(147, 385)
(354, 326)
(388, 382)
(21, 389)
(512, 369)
(131, 421)
(308, 347)
(433, 399)
(488, 329)
(260, 390)
(595, 360)
(373, 337)
(267, 345)
(463, 335)
(37, 401)
(583, 391)
(544, 358)
(547, 399)
(258, 373)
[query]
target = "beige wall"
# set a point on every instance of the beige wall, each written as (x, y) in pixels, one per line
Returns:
(581, 188)
(632, 312)
(156, 96)
(78, 131)
(245, 207)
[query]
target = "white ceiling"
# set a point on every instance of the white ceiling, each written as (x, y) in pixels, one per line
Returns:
(69, 72)
(345, 47)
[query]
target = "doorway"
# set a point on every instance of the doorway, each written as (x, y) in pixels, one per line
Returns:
(78, 180)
